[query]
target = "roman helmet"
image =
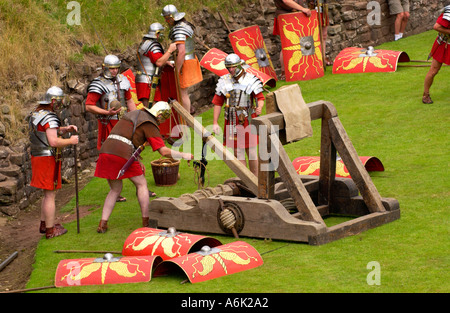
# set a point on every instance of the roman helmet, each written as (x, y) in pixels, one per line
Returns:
(110, 61)
(233, 60)
(53, 92)
(154, 30)
(160, 108)
(171, 10)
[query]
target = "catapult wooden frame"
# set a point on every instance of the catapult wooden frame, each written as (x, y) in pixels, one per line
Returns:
(263, 215)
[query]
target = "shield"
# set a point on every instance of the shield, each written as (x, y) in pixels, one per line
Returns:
(214, 59)
(129, 74)
(301, 48)
(106, 270)
(210, 263)
(356, 60)
(167, 244)
(310, 165)
(249, 44)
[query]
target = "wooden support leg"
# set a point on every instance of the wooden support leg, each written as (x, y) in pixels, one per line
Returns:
(355, 167)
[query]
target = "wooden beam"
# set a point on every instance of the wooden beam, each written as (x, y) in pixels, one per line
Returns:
(294, 185)
(354, 165)
(327, 158)
(247, 177)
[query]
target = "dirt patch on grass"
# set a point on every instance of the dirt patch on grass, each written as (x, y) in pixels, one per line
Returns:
(21, 234)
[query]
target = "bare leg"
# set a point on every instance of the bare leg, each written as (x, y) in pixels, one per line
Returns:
(239, 153)
(434, 69)
(48, 208)
(404, 22)
(185, 99)
(110, 201)
(142, 193)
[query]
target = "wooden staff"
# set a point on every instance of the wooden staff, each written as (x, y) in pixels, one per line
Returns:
(319, 17)
(76, 187)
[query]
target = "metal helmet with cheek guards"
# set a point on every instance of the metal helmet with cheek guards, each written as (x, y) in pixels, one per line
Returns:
(160, 108)
(171, 10)
(154, 30)
(233, 60)
(110, 61)
(53, 92)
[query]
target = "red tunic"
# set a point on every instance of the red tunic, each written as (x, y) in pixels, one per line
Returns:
(109, 165)
(244, 138)
(43, 169)
(441, 52)
(143, 89)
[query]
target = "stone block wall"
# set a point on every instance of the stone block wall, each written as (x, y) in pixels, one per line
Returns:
(349, 27)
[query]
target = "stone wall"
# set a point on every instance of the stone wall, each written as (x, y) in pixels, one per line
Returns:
(349, 27)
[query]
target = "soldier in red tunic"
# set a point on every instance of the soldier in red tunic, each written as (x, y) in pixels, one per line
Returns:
(45, 129)
(440, 52)
(131, 132)
(151, 58)
(237, 91)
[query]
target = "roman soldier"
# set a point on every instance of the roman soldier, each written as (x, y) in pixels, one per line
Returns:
(133, 131)
(46, 145)
(150, 60)
(188, 68)
(440, 52)
(237, 91)
(109, 97)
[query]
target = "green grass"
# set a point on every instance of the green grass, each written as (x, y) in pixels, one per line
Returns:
(384, 117)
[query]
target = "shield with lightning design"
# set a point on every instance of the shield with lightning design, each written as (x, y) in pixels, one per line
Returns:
(102, 271)
(214, 61)
(356, 60)
(310, 165)
(210, 263)
(301, 48)
(167, 244)
(248, 44)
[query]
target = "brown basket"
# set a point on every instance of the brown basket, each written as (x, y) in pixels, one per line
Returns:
(165, 171)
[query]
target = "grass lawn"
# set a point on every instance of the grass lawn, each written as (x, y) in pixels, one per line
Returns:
(384, 117)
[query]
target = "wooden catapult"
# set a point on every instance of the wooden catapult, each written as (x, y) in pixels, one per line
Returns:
(253, 206)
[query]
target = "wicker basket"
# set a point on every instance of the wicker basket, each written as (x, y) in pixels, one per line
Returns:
(165, 171)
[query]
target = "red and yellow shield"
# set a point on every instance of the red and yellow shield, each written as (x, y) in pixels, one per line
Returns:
(214, 61)
(357, 60)
(167, 244)
(210, 263)
(301, 48)
(310, 165)
(129, 74)
(102, 271)
(249, 44)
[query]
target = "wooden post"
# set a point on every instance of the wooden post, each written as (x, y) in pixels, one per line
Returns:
(247, 177)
